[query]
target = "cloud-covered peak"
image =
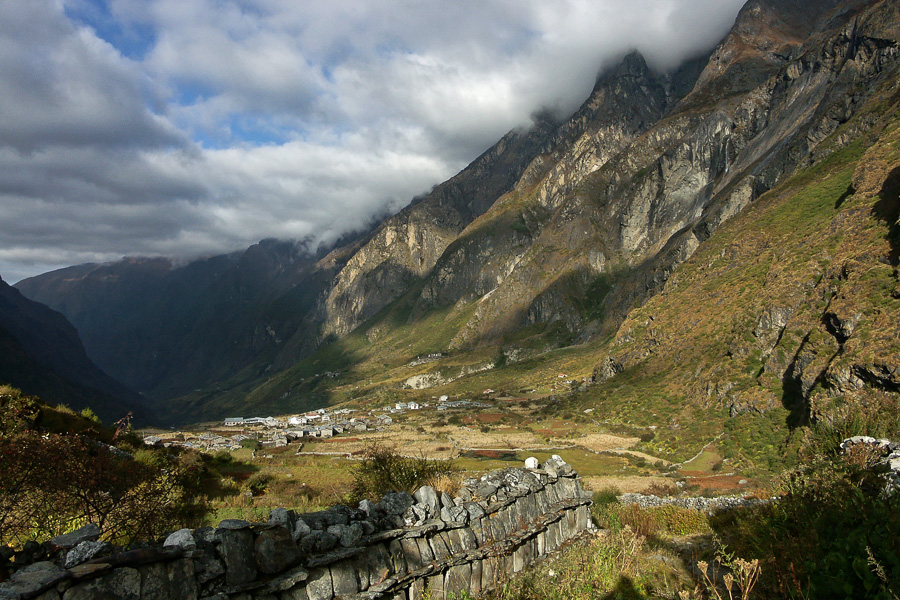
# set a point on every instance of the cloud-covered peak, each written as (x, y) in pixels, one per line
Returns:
(188, 127)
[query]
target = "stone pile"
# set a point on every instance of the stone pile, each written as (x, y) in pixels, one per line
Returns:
(700, 503)
(395, 548)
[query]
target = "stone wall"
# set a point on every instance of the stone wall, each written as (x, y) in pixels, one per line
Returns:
(394, 549)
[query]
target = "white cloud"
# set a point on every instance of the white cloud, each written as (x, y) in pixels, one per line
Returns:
(184, 127)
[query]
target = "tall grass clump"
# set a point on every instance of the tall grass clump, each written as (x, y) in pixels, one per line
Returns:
(383, 469)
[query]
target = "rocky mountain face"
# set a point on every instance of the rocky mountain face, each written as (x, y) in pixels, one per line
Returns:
(556, 234)
(41, 354)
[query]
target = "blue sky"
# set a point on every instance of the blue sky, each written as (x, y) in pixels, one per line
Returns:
(190, 127)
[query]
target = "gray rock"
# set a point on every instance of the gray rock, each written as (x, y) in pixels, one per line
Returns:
(317, 541)
(84, 552)
(183, 538)
(30, 581)
(337, 515)
(169, 581)
(347, 535)
(208, 568)
(300, 529)
(415, 515)
(351, 536)
(281, 516)
(396, 503)
(287, 580)
(318, 585)
(474, 509)
(123, 583)
(88, 533)
(367, 506)
(205, 535)
(485, 490)
(236, 548)
(531, 463)
(446, 500)
(368, 527)
(234, 524)
(427, 496)
(344, 580)
(275, 550)
(458, 514)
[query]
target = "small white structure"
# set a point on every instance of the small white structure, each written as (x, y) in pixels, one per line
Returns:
(413, 406)
(234, 421)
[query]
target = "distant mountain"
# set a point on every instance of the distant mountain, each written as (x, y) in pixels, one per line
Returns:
(553, 238)
(41, 354)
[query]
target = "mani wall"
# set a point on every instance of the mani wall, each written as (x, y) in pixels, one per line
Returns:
(394, 549)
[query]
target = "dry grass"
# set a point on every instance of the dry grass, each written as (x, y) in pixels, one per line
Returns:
(628, 484)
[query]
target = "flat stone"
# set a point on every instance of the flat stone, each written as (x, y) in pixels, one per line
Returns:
(183, 538)
(30, 581)
(89, 570)
(89, 532)
(234, 524)
(120, 584)
(344, 580)
(286, 581)
(396, 503)
(84, 552)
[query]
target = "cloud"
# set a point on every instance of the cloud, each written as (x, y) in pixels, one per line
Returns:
(188, 127)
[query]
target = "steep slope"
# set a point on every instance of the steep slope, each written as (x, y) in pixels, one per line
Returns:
(165, 329)
(40, 353)
(787, 314)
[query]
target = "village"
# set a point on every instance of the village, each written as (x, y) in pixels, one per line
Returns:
(279, 432)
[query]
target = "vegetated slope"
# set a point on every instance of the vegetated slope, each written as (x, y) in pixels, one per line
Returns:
(787, 314)
(40, 353)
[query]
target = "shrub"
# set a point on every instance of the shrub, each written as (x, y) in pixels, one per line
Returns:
(831, 533)
(258, 483)
(51, 483)
(382, 469)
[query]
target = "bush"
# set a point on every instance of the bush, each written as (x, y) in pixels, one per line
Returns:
(833, 533)
(383, 469)
(258, 482)
(52, 483)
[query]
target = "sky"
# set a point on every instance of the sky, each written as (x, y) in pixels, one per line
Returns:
(187, 128)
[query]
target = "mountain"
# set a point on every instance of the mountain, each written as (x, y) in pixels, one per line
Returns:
(539, 255)
(41, 353)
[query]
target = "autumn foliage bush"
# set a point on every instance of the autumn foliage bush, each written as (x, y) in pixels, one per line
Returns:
(51, 483)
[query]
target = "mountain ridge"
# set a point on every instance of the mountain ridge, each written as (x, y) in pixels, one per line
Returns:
(556, 235)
